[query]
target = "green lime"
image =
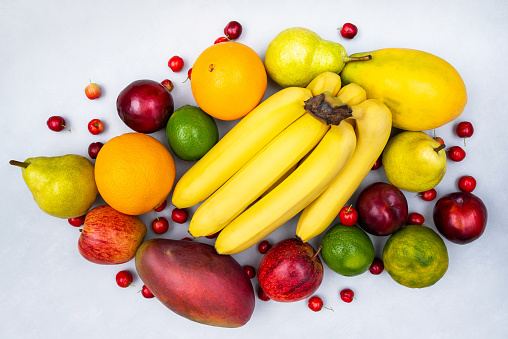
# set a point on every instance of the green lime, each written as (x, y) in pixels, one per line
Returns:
(347, 250)
(191, 133)
(415, 256)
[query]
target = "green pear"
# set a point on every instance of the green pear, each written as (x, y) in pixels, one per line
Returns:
(62, 186)
(297, 55)
(414, 161)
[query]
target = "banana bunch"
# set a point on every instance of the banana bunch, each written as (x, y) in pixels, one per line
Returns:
(282, 158)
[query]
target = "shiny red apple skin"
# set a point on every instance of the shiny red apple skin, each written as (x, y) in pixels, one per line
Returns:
(382, 209)
(460, 217)
(290, 271)
(145, 106)
(110, 237)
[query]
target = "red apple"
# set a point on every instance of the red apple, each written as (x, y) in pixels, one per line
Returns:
(145, 106)
(460, 217)
(290, 271)
(382, 209)
(110, 237)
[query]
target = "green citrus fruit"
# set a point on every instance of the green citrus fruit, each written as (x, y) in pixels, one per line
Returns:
(415, 256)
(191, 133)
(347, 250)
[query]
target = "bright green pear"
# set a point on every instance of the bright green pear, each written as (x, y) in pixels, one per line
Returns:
(414, 161)
(62, 186)
(297, 55)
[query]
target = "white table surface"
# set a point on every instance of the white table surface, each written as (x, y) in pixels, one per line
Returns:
(51, 49)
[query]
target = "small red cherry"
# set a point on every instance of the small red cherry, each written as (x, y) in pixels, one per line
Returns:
(377, 164)
(439, 140)
(189, 73)
(160, 225)
(175, 63)
(315, 303)
(95, 126)
(428, 195)
(262, 295)
(348, 216)
(347, 295)
(94, 148)
(467, 184)
(187, 239)
(233, 30)
(348, 30)
(456, 153)
(221, 39)
(162, 206)
(212, 236)
(377, 266)
(124, 278)
(92, 91)
(168, 84)
(250, 270)
(56, 123)
(464, 129)
(264, 246)
(146, 292)
(415, 219)
(77, 221)
(179, 215)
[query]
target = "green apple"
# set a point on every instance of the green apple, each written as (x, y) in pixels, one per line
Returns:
(414, 161)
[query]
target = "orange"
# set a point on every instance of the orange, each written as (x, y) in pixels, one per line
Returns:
(228, 80)
(134, 173)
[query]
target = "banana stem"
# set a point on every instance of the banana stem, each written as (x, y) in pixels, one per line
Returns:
(328, 109)
(19, 163)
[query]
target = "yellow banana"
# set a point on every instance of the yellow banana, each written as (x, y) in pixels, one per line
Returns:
(239, 145)
(301, 187)
(257, 176)
(373, 126)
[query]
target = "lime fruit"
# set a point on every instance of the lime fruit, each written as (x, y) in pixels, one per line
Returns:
(191, 133)
(347, 250)
(415, 256)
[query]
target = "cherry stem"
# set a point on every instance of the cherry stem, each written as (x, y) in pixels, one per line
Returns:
(329, 308)
(442, 146)
(19, 163)
(156, 216)
(67, 128)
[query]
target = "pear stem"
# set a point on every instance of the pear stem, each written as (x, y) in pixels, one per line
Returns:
(437, 149)
(362, 58)
(19, 163)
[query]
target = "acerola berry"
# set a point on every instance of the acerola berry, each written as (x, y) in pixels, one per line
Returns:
(77, 221)
(428, 195)
(464, 129)
(315, 303)
(262, 295)
(348, 216)
(124, 278)
(92, 91)
(439, 140)
(146, 292)
(250, 270)
(162, 206)
(377, 164)
(233, 30)
(264, 246)
(415, 219)
(212, 236)
(456, 153)
(467, 184)
(347, 295)
(56, 123)
(94, 148)
(189, 73)
(377, 266)
(221, 39)
(160, 225)
(168, 84)
(95, 126)
(175, 63)
(179, 215)
(348, 30)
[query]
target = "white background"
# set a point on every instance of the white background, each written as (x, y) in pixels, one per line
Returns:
(51, 49)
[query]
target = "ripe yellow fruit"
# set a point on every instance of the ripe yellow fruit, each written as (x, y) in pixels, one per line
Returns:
(134, 173)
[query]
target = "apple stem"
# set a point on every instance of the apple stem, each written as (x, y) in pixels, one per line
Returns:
(19, 163)
(442, 146)
(319, 250)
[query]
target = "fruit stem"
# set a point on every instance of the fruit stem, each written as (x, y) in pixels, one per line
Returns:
(19, 163)
(362, 58)
(328, 109)
(437, 149)
(319, 250)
